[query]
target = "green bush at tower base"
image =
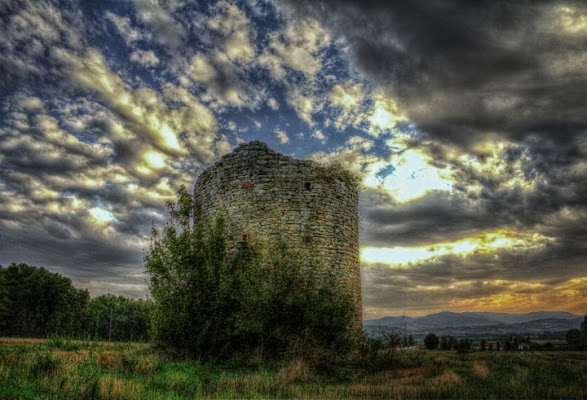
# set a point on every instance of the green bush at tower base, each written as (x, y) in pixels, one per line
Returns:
(256, 304)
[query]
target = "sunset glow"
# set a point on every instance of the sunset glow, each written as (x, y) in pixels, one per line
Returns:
(479, 244)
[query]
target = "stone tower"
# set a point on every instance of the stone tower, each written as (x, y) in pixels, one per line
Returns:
(266, 196)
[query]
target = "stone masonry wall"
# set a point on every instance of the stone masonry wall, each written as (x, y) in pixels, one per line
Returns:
(268, 197)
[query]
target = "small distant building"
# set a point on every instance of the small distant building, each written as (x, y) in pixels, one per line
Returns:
(523, 346)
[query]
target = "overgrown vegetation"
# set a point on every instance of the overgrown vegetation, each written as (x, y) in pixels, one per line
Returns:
(332, 172)
(37, 303)
(34, 369)
(254, 305)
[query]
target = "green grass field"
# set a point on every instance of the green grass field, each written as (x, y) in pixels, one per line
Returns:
(62, 369)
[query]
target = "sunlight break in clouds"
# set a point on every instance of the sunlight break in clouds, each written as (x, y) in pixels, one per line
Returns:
(413, 176)
(485, 243)
(100, 216)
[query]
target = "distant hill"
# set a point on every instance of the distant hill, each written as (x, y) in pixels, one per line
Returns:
(551, 324)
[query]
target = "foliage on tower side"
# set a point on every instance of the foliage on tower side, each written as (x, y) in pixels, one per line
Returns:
(259, 303)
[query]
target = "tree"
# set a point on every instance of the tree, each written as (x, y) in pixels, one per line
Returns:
(444, 343)
(584, 331)
(431, 341)
(574, 338)
(35, 302)
(464, 346)
(411, 341)
(118, 318)
(262, 300)
(483, 345)
(4, 302)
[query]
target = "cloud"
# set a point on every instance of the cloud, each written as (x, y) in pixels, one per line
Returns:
(235, 27)
(304, 104)
(383, 115)
(30, 29)
(443, 64)
(225, 71)
(282, 136)
(123, 25)
(298, 48)
(432, 288)
(273, 104)
(319, 135)
(89, 156)
(145, 111)
(64, 195)
(354, 155)
(145, 58)
(164, 29)
(348, 99)
(488, 100)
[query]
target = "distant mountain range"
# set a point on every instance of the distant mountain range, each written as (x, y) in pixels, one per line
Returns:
(541, 324)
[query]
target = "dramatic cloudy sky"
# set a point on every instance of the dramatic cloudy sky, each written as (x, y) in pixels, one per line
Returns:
(468, 125)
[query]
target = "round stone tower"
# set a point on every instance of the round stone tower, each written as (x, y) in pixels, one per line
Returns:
(266, 196)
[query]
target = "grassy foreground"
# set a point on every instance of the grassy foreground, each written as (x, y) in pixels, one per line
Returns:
(61, 369)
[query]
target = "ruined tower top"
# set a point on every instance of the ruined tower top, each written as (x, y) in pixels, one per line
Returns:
(266, 196)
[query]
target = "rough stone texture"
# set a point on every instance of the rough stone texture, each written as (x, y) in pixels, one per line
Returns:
(266, 196)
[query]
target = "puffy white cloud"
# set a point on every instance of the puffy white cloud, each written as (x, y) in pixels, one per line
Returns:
(146, 58)
(41, 25)
(352, 156)
(224, 70)
(383, 115)
(273, 104)
(349, 100)
(145, 111)
(304, 105)
(130, 34)
(319, 135)
(164, 29)
(100, 216)
(282, 136)
(234, 25)
(298, 48)
(565, 20)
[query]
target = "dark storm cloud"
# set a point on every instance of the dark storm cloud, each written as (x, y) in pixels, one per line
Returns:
(89, 260)
(30, 30)
(467, 74)
(43, 176)
(462, 69)
(161, 23)
(438, 217)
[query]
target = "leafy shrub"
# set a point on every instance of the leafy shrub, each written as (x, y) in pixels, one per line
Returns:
(43, 364)
(261, 303)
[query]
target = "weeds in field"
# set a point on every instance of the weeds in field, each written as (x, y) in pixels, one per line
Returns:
(92, 370)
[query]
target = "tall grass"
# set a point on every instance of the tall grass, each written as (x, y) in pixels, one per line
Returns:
(56, 368)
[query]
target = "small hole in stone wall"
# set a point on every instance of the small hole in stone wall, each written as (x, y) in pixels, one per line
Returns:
(308, 185)
(308, 239)
(243, 238)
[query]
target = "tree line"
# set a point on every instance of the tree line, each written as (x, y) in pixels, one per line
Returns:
(576, 339)
(37, 303)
